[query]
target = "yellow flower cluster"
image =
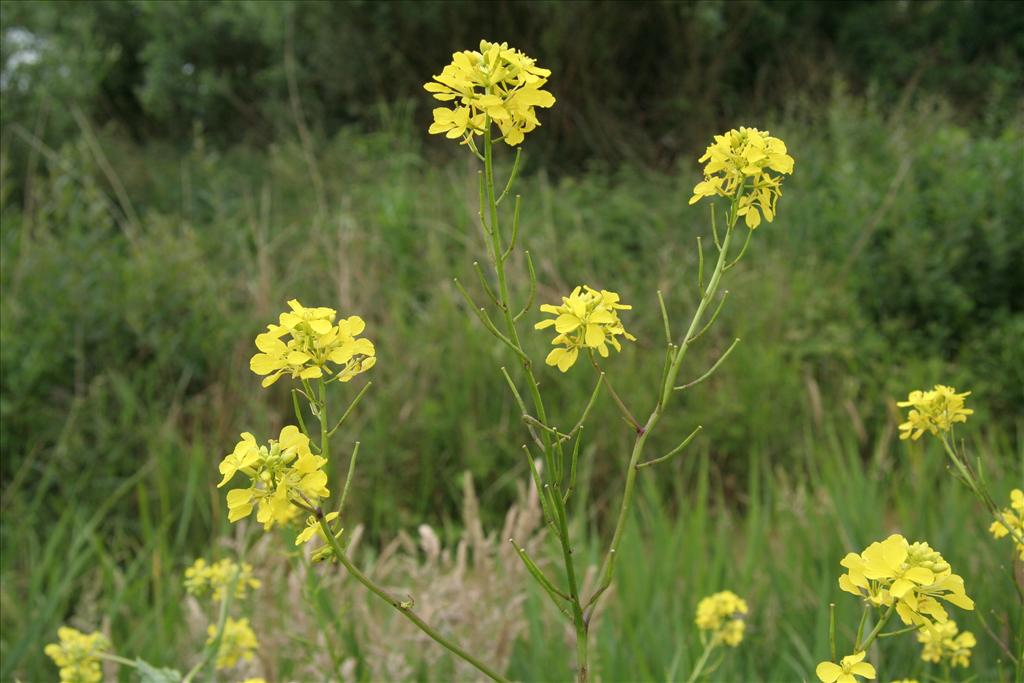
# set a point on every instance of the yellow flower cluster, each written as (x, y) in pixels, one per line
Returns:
(738, 164)
(721, 615)
(911, 575)
(846, 671)
(314, 341)
(237, 643)
(498, 84)
(587, 319)
(202, 578)
(1014, 516)
(279, 473)
(933, 411)
(77, 655)
(945, 643)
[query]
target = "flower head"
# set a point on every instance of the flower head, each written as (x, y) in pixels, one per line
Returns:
(946, 643)
(933, 411)
(913, 576)
(1010, 521)
(202, 579)
(306, 342)
(237, 642)
(846, 671)
(313, 528)
(498, 84)
(721, 616)
(738, 164)
(587, 319)
(77, 655)
(282, 475)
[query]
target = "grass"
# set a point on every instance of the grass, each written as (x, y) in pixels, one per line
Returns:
(125, 344)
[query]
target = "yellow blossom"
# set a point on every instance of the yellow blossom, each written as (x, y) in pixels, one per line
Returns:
(721, 617)
(946, 643)
(313, 528)
(913, 576)
(306, 341)
(1012, 521)
(282, 474)
(237, 642)
(586, 319)
(933, 411)
(737, 165)
(498, 84)
(846, 671)
(77, 655)
(202, 578)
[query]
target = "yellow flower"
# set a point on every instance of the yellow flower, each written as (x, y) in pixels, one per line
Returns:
(738, 164)
(846, 671)
(933, 411)
(945, 643)
(314, 341)
(77, 655)
(237, 642)
(498, 84)
(912, 576)
(202, 578)
(1014, 521)
(587, 319)
(282, 473)
(721, 615)
(313, 528)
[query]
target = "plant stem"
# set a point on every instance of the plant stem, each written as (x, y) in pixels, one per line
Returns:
(552, 447)
(608, 566)
(405, 609)
(702, 662)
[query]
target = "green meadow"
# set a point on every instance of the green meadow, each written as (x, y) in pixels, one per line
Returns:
(136, 272)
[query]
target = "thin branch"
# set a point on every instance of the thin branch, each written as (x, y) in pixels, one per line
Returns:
(515, 230)
(533, 287)
(711, 370)
(714, 317)
(483, 283)
(664, 318)
(511, 177)
(351, 407)
(674, 451)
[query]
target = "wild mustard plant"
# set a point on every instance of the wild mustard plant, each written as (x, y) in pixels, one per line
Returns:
(1010, 521)
(946, 644)
(493, 94)
(720, 618)
(891, 577)
(78, 655)
(229, 640)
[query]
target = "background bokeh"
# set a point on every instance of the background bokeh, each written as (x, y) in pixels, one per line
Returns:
(173, 172)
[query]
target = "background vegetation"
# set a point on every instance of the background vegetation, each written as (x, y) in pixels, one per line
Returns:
(173, 172)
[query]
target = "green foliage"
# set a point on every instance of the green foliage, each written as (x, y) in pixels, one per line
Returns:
(125, 333)
(647, 83)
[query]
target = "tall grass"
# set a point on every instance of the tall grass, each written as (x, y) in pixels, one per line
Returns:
(126, 333)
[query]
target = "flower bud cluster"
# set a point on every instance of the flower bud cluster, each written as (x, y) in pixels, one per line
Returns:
(587, 319)
(202, 579)
(913, 577)
(933, 411)
(77, 655)
(307, 340)
(721, 616)
(499, 84)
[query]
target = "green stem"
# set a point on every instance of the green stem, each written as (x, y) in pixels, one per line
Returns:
(110, 657)
(608, 566)
(552, 447)
(702, 662)
(878, 628)
(981, 495)
(404, 608)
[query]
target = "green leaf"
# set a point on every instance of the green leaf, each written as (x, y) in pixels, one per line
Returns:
(151, 674)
